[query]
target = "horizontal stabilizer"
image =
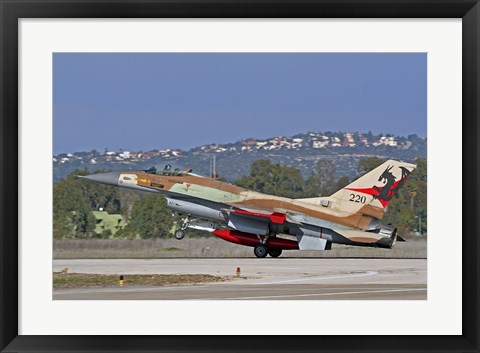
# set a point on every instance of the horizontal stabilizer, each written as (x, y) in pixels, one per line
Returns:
(359, 236)
(385, 237)
(306, 242)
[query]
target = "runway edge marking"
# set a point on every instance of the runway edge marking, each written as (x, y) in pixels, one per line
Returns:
(316, 294)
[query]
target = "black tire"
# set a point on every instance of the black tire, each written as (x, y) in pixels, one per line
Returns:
(260, 251)
(274, 252)
(179, 234)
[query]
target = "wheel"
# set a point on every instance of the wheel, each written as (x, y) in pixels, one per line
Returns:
(274, 252)
(179, 234)
(260, 251)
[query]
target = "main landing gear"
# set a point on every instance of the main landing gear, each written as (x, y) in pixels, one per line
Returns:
(274, 252)
(261, 250)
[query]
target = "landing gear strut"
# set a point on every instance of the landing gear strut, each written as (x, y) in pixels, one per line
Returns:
(180, 234)
(262, 250)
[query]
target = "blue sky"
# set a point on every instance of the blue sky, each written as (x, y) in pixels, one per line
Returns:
(150, 101)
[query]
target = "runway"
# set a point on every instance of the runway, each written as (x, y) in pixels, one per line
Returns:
(260, 279)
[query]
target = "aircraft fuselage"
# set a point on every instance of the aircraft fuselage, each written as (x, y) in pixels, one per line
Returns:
(250, 218)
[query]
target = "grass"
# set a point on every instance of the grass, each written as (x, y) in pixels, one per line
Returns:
(213, 247)
(81, 280)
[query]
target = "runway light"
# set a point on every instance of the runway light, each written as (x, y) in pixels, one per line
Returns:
(121, 281)
(238, 271)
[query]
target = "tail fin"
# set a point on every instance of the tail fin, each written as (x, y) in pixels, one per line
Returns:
(371, 193)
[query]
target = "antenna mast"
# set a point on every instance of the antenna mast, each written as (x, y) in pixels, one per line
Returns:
(214, 162)
(210, 169)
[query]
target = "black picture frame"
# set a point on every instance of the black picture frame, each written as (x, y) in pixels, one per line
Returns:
(13, 10)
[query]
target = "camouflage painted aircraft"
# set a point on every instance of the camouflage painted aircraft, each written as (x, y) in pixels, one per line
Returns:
(271, 224)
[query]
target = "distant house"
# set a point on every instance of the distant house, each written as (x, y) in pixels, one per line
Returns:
(364, 140)
(125, 154)
(320, 144)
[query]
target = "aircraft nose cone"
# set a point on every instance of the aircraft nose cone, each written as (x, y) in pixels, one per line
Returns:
(104, 178)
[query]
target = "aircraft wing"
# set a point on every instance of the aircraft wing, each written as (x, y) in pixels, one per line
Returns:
(255, 222)
(275, 217)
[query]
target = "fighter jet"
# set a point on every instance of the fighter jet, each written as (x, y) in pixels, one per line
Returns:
(271, 224)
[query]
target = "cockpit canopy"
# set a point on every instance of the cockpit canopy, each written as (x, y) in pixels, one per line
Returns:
(168, 171)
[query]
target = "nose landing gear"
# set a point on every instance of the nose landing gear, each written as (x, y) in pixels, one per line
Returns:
(180, 234)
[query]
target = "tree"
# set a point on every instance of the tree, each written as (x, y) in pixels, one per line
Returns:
(150, 218)
(409, 206)
(98, 195)
(74, 200)
(72, 216)
(419, 178)
(322, 180)
(273, 179)
(367, 164)
(127, 201)
(340, 183)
